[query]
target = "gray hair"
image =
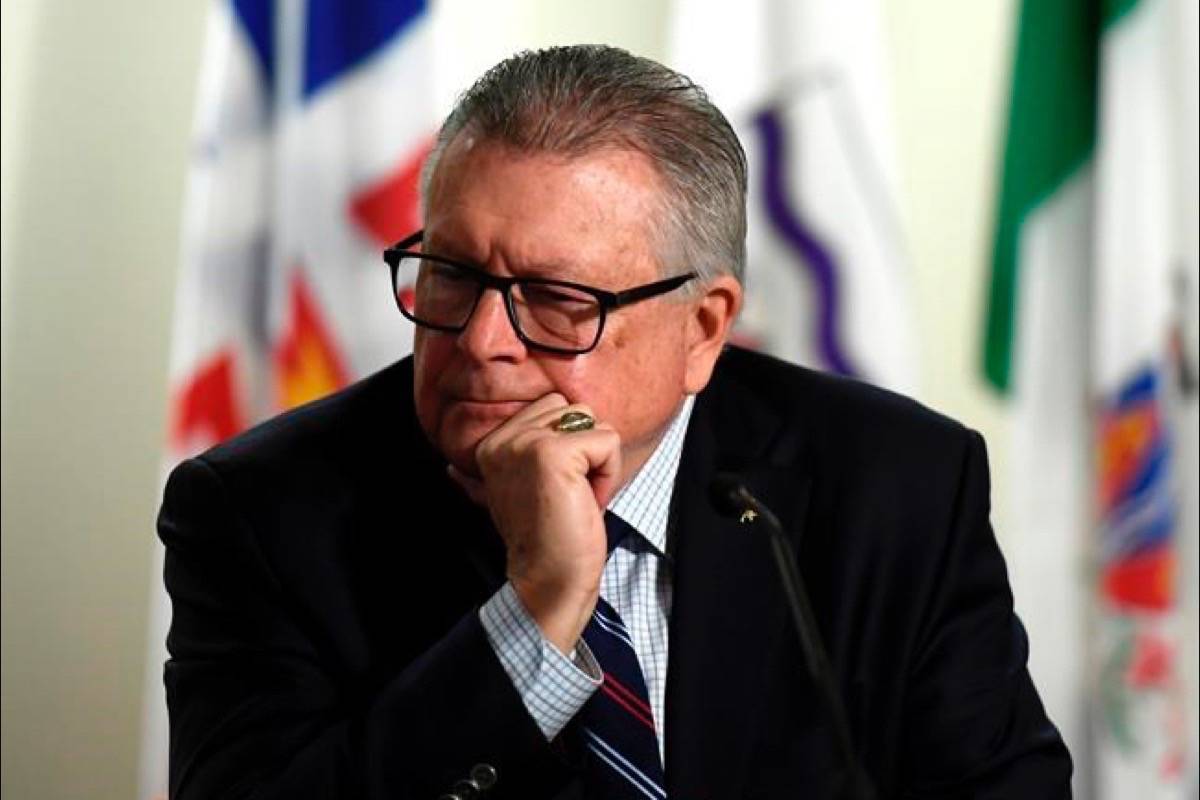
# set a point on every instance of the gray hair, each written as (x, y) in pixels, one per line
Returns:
(575, 100)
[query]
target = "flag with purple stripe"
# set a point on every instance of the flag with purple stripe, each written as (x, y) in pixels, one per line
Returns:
(827, 279)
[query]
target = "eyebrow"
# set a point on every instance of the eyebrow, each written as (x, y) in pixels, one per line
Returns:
(445, 250)
(546, 269)
(555, 270)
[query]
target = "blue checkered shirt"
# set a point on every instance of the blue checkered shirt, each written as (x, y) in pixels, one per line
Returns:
(636, 582)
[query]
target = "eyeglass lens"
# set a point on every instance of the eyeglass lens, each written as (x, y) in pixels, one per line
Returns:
(443, 296)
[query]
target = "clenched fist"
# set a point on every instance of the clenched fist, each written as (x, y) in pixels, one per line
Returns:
(546, 491)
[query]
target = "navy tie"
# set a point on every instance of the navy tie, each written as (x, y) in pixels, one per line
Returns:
(618, 724)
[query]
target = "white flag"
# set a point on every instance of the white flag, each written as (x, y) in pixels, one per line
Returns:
(1091, 313)
(1144, 378)
(803, 83)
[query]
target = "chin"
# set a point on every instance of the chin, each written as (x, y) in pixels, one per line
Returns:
(457, 445)
(462, 458)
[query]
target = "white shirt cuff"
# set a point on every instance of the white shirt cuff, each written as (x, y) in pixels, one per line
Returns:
(553, 686)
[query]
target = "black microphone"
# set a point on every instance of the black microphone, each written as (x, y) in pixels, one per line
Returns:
(732, 499)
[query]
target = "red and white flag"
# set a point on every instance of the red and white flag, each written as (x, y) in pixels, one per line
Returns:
(312, 124)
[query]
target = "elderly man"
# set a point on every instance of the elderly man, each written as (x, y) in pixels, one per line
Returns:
(492, 569)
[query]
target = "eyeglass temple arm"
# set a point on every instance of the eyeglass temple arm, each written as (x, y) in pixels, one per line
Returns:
(408, 241)
(649, 290)
(393, 253)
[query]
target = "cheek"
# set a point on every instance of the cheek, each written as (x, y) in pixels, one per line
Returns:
(633, 379)
(428, 362)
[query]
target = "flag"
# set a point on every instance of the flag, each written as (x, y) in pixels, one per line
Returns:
(803, 84)
(1143, 381)
(1037, 343)
(1081, 317)
(313, 120)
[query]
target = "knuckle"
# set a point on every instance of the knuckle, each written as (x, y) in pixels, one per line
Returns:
(525, 440)
(549, 402)
(542, 447)
(485, 452)
(606, 431)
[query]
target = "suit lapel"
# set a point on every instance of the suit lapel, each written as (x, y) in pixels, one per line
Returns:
(726, 609)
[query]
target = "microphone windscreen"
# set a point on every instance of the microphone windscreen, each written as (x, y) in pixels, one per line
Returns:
(725, 492)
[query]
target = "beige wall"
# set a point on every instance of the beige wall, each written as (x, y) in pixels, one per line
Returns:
(950, 85)
(97, 105)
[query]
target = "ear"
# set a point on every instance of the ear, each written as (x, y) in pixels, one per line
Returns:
(712, 317)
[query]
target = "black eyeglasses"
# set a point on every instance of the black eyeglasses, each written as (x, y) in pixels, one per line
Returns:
(554, 316)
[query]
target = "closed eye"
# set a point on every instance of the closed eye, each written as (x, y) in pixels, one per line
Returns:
(550, 294)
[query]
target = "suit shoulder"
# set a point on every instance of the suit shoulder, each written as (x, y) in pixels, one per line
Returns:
(338, 424)
(822, 392)
(837, 414)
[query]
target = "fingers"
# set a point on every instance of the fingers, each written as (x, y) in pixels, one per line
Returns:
(535, 419)
(546, 491)
(536, 415)
(546, 404)
(593, 454)
(549, 418)
(604, 462)
(541, 414)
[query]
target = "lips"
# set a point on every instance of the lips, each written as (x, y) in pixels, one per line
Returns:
(498, 408)
(492, 396)
(487, 394)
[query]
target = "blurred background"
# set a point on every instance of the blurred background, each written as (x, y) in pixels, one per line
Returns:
(990, 207)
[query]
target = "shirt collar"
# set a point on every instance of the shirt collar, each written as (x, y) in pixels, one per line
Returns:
(645, 502)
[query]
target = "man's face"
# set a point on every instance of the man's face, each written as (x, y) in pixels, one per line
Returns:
(585, 219)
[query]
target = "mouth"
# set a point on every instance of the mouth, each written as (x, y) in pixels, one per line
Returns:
(488, 408)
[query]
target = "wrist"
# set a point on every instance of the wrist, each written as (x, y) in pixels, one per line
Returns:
(560, 612)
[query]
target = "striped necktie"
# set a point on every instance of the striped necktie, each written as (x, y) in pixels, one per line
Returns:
(617, 722)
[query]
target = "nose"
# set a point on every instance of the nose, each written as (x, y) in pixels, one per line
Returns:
(489, 334)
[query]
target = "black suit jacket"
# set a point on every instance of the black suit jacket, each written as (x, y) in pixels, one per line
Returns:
(326, 577)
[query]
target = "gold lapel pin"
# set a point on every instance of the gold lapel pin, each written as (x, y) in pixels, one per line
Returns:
(749, 515)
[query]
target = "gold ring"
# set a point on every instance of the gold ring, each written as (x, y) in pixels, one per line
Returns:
(574, 421)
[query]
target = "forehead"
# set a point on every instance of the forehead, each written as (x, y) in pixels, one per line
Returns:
(587, 216)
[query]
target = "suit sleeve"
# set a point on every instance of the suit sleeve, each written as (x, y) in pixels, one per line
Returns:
(975, 726)
(256, 713)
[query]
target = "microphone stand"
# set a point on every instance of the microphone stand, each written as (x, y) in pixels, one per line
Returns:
(733, 498)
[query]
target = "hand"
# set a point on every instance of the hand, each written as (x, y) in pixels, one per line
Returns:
(547, 491)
